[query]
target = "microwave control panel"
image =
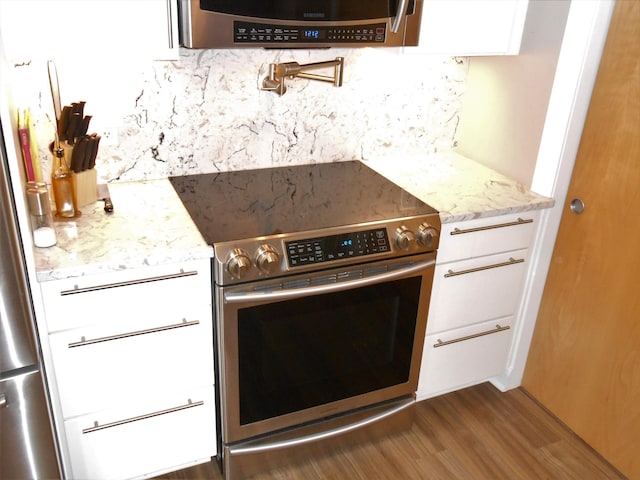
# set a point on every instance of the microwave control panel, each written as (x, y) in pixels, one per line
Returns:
(247, 32)
(337, 247)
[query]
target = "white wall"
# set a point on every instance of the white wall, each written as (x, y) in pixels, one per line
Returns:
(506, 99)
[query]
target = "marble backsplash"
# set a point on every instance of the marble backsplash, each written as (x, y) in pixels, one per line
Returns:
(205, 113)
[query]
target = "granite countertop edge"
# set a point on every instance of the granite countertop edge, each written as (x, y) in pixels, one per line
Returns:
(459, 188)
(151, 227)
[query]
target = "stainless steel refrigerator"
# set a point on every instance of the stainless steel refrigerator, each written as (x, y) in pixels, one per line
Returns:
(27, 448)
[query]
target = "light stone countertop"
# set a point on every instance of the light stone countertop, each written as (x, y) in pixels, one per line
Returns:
(459, 188)
(150, 226)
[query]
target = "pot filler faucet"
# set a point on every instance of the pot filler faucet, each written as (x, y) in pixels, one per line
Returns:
(278, 72)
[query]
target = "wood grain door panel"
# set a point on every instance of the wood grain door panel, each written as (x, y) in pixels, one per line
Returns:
(584, 362)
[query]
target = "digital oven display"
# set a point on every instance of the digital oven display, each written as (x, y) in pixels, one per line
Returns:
(313, 34)
(249, 32)
(337, 247)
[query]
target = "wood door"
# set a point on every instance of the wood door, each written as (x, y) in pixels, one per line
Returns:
(584, 362)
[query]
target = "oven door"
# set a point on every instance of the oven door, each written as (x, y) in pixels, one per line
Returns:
(302, 348)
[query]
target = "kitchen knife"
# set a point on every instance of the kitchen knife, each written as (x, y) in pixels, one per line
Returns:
(94, 142)
(63, 123)
(103, 195)
(79, 154)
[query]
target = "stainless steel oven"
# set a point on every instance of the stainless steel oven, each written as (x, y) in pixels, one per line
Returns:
(319, 330)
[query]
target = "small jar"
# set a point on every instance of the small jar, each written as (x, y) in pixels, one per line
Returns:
(44, 233)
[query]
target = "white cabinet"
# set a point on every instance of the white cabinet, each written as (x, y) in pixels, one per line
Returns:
(472, 27)
(477, 288)
(132, 362)
(138, 439)
(89, 30)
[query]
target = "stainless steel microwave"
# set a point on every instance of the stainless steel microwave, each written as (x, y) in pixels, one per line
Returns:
(299, 23)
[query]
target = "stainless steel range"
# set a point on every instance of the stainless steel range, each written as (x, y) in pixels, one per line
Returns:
(322, 280)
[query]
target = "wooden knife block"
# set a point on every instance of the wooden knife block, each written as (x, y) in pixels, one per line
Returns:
(85, 187)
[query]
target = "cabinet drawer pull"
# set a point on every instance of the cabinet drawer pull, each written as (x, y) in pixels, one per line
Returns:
(520, 221)
(97, 427)
(512, 261)
(440, 343)
(83, 342)
(106, 286)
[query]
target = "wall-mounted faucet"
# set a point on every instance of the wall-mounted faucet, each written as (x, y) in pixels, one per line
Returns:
(278, 72)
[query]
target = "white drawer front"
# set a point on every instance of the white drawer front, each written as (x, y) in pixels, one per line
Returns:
(129, 442)
(476, 290)
(166, 290)
(96, 367)
(474, 355)
(485, 236)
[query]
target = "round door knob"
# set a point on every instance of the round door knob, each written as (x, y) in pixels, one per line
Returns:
(427, 235)
(577, 206)
(404, 238)
(267, 259)
(238, 263)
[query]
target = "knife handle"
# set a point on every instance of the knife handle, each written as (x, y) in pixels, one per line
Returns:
(108, 206)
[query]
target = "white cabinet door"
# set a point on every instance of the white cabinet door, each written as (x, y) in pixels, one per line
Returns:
(97, 367)
(472, 27)
(163, 292)
(89, 29)
(475, 290)
(485, 236)
(466, 356)
(136, 440)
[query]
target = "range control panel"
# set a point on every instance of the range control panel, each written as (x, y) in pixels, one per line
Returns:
(247, 32)
(337, 247)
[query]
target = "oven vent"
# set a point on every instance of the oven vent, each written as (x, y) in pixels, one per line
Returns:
(323, 280)
(349, 275)
(398, 266)
(301, 283)
(372, 271)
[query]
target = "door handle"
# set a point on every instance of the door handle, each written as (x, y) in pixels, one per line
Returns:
(577, 206)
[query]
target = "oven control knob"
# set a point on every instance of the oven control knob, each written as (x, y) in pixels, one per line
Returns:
(404, 237)
(238, 263)
(427, 235)
(267, 259)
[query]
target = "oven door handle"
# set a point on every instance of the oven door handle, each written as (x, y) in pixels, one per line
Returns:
(243, 297)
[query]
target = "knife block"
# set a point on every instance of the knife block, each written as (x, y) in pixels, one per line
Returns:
(85, 187)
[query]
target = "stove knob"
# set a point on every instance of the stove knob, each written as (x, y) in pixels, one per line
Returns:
(427, 235)
(267, 259)
(238, 263)
(404, 238)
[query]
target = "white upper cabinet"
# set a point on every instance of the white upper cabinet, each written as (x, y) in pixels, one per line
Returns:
(89, 29)
(472, 27)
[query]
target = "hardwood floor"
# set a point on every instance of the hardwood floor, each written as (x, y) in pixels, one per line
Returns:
(474, 434)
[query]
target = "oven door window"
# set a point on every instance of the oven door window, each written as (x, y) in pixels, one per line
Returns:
(306, 352)
(305, 10)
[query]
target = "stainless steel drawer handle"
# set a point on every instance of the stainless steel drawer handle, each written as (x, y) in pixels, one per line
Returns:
(96, 427)
(127, 283)
(83, 342)
(440, 343)
(512, 261)
(520, 221)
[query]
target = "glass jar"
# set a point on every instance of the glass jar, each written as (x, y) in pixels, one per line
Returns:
(42, 229)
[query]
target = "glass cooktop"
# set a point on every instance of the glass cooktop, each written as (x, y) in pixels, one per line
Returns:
(252, 203)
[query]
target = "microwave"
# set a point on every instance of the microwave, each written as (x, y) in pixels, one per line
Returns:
(299, 23)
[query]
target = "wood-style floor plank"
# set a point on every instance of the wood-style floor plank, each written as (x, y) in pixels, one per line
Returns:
(473, 434)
